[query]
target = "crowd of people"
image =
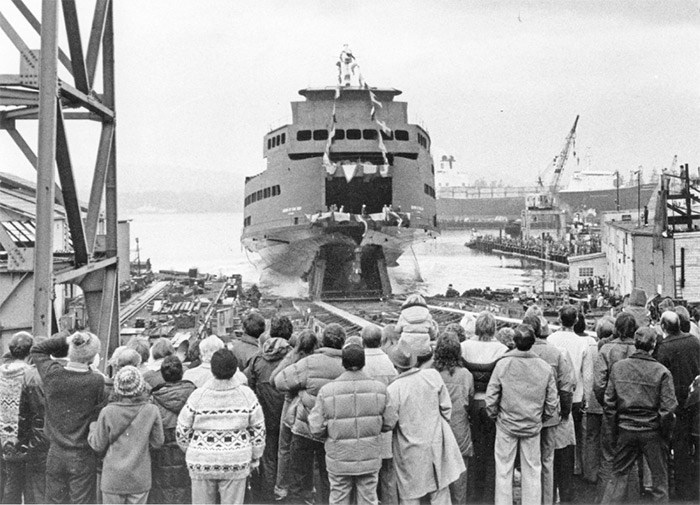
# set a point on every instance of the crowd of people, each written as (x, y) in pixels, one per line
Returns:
(407, 413)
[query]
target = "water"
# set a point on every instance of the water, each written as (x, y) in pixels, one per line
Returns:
(211, 242)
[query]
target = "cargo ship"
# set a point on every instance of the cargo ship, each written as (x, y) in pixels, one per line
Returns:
(348, 187)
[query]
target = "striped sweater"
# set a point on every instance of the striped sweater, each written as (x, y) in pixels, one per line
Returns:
(221, 428)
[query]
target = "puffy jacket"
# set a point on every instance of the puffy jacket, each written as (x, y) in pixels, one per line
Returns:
(640, 395)
(608, 355)
(350, 411)
(171, 480)
(416, 327)
(306, 377)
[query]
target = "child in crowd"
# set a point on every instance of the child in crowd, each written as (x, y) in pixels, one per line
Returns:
(123, 433)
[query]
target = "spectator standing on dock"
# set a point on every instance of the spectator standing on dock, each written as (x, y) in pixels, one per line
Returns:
(640, 401)
(124, 432)
(140, 345)
(246, 347)
(14, 453)
(378, 366)
(350, 413)
(32, 431)
(447, 360)
(161, 349)
(221, 428)
(619, 348)
(415, 324)
(271, 400)
(680, 353)
(74, 396)
(521, 394)
(480, 355)
(171, 480)
(305, 378)
(199, 375)
(426, 455)
(578, 349)
(605, 328)
(558, 431)
(306, 344)
(636, 305)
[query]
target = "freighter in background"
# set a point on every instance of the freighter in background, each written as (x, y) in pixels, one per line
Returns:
(586, 193)
(349, 186)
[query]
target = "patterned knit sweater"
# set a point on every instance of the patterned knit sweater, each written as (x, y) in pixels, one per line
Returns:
(221, 428)
(11, 378)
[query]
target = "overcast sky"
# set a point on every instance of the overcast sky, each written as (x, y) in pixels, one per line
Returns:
(496, 84)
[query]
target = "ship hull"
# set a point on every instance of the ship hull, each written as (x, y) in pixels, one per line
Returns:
(510, 207)
(292, 250)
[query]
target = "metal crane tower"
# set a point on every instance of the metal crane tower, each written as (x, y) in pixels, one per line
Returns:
(30, 272)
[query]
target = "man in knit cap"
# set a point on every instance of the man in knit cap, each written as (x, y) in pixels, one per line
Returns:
(11, 379)
(74, 395)
(124, 432)
(221, 428)
(350, 411)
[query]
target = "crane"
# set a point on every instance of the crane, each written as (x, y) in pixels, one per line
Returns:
(545, 200)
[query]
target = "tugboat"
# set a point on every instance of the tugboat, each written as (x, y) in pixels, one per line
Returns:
(348, 187)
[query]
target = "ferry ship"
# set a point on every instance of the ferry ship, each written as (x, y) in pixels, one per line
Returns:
(348, 187)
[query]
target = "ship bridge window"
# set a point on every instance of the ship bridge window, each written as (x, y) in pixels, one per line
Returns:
(428, 189)
(303, 135)
(261, 194)
(320, 134)
(339, 135)
(585, 272)
(369, 134)
(387, 136)
(353, 134)
(246, 221)
(283, 137)
(401, 135)
(423, 141)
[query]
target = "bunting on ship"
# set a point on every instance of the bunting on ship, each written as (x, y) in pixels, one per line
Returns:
(347, 69)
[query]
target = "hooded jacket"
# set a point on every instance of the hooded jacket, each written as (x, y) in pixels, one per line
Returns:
(126, 468)
(171, 480)
(258, 373)
(417, 327)
(637, 307)
(306, 377)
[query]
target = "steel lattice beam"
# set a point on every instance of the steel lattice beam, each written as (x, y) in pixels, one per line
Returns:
(37, 93)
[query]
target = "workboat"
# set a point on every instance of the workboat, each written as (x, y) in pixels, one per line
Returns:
(348, 187)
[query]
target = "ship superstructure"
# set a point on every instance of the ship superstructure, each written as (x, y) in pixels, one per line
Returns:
(349, 185)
